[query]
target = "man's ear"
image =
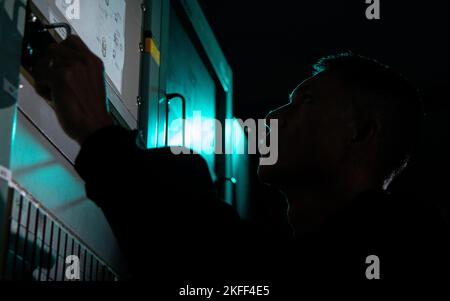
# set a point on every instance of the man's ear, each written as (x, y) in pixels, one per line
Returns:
(365, 133)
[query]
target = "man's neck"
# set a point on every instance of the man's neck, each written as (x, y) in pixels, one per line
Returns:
(310, 208)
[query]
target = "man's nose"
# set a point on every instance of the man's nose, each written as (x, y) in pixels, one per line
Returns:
(275, 114)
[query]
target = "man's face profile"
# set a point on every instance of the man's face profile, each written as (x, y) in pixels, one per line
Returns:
(314, 131)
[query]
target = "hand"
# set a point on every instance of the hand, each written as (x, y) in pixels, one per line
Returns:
(71, 79)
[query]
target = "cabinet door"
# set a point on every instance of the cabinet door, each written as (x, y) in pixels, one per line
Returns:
(188, 76)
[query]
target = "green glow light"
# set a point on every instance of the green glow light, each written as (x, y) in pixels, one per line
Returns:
(199, 136)
(38, 170)
(234, 138)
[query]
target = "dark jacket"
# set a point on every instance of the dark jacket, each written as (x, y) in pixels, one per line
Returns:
(169, 222)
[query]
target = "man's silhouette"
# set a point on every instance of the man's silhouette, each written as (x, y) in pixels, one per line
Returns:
(344, 136)
(348, 129)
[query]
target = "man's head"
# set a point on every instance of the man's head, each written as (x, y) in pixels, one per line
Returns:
(354, 122)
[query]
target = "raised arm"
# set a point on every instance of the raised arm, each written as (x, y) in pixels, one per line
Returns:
(150, 197)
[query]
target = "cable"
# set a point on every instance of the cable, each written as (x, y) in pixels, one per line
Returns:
(66, 27)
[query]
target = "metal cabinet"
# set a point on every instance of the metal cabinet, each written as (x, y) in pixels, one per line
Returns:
(182, 57)
(173, 69)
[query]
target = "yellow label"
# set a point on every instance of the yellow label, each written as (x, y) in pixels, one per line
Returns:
(150, 47)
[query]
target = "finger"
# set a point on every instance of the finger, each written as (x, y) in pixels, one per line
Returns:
(64, 52)
(42, 72)
(75, 43)
(46, 77)
(46, 70)
(66, 107)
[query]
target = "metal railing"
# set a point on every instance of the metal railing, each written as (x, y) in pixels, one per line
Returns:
(37, 244)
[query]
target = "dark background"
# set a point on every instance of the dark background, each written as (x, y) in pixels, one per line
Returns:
(271, 46)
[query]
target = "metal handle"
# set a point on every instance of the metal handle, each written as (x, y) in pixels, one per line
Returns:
(66, 27)
(169, 97)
